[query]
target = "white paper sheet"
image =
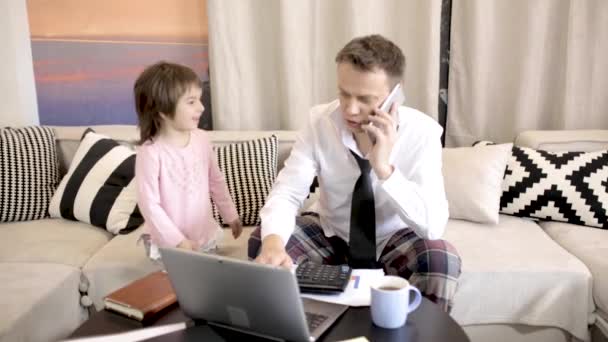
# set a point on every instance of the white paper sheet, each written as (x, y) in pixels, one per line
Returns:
(357, 292)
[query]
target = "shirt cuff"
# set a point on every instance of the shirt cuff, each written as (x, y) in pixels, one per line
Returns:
(269, 228)
(394, 181)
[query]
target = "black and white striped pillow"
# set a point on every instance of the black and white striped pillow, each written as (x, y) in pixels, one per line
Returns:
(99, 187)
(29, 172)
(250, 168)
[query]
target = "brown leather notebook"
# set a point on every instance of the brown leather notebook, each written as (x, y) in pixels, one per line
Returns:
(143, 298)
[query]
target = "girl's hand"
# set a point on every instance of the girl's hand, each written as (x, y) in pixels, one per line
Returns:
(187, 244)
(237, 228)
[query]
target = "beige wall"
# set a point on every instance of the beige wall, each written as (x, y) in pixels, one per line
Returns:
(17, 87)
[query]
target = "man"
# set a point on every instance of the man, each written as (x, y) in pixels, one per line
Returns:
(381, 204)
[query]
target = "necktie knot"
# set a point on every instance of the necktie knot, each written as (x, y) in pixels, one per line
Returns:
(364, 164)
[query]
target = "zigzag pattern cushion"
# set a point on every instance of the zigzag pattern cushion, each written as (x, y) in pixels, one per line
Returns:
(99, 187)
(29, 172)
(567, 186)
(250, 169)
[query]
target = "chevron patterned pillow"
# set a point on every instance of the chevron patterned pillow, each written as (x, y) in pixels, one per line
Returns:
(249, 168)
(566, 186)
(556, 186)
(29, 172)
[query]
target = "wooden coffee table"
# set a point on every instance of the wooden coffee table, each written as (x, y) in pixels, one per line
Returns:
(428, 323)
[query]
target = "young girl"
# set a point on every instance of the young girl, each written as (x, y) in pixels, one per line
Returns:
(176, 171)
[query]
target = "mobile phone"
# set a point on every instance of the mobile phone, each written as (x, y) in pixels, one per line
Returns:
(395, 96)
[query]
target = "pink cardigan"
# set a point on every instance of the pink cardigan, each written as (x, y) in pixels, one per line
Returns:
(174, 186)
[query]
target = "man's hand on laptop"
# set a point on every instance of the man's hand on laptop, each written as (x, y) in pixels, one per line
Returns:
(273, 252)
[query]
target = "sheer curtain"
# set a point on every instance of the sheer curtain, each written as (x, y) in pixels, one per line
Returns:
(271, 60)
(519, 65)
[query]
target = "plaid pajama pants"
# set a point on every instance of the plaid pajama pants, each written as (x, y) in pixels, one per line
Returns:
(433, 266)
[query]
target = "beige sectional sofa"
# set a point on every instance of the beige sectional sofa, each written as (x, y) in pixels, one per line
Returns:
(521, 280)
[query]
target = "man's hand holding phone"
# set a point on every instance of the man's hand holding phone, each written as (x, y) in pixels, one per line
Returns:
(382, 130)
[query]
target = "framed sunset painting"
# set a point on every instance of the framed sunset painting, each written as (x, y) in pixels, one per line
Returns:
(87, 54)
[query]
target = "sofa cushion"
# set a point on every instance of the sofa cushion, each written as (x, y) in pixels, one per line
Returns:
(250, 168)
(235, 248)
(514, 273)
(50, 240)
(28, 172)
(40, 302)
(123, 260)
(591, 247)
(557, 186)
(68, 139)
(473, 181)
(585, 140)
(99, 187)
(116, 264)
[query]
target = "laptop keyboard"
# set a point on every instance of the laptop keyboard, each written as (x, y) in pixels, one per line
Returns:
(314, 320)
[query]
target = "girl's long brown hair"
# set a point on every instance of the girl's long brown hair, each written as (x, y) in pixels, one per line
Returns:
(157, 90)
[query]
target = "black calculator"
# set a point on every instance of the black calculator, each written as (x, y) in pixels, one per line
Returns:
(319, 278)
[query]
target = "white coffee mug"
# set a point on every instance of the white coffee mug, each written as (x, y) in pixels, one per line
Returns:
(390, 303)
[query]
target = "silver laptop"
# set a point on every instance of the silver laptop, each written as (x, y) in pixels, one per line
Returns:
(258, 299)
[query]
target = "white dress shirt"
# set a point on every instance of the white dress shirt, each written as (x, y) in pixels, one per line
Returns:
(413, 196)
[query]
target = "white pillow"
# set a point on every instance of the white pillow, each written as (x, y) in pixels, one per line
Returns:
(473, 181)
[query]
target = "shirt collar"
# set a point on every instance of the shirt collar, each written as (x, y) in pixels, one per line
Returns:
(346, 136)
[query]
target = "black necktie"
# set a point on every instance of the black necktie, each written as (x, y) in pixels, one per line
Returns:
(362, 241)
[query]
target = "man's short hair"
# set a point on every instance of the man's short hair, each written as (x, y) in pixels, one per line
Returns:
(374, 51)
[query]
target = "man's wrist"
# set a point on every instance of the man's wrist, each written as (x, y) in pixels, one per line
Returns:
(384, 172)
(273, 240)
